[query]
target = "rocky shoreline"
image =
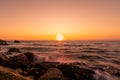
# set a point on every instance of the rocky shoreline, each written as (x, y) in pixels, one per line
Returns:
(24, 65)
(29, 66)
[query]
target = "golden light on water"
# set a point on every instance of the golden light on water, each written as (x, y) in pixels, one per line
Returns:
(59, 37)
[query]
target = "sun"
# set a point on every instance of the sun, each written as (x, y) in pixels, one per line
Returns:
(59, 37)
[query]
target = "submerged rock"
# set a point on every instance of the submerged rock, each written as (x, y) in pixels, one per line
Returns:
(3, 42)
(16, 41)
(8, 74)
(14, 50)
(76, 73)
(52, 74)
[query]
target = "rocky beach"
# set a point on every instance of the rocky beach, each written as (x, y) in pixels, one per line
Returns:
(45, 60)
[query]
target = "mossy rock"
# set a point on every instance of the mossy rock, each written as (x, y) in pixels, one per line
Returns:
(8, 74)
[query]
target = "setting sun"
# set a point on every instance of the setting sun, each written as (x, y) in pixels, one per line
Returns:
(60, 37)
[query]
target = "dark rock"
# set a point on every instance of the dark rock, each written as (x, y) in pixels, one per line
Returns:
(34, 72)
(30, 56)
(3, 42)
(3, 59)
(19, 61)
(14, 50)
(39, 69)
(47, 65)
(76, 73)
(52, 74)
(117, 74)
(16, 41)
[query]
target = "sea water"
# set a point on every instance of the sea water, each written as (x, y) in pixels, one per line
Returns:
(101, 56)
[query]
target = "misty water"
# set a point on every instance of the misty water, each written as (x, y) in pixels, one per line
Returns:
(101, 56)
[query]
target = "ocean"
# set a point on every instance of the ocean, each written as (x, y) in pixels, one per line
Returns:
(101, 56)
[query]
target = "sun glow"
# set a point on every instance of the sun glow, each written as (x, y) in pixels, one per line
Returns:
(59, 37)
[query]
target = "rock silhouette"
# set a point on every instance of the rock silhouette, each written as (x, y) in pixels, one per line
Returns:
(3, 42)
(16, 41)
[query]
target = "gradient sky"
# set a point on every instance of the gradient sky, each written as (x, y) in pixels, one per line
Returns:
(76, 19)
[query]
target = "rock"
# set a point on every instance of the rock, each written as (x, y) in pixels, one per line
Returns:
(16, 41)
(117, 74)
(34, 72)
(39, 69)
(18, 61)
(46, 65)
(3, 42)
(52, 74)
(3, 59)
(30, 56)
(14, 50)
(76, 73)
(8, 74)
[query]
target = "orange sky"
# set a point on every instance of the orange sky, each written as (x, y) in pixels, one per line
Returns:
(76, 19)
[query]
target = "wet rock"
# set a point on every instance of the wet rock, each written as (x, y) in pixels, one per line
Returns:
(3, 42)
(52, 74)
(30, 56)
(3, 59)
(14, 50)
(8, 74)
(16, 41)
(19, 61)
(39, 69)
(34, 72)
(117, 74)
(47, 65)
(76, 73)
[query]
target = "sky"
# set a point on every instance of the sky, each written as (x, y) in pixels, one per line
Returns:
(75, 19)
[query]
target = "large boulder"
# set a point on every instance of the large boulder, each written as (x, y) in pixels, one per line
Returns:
(3, 42)
(8, 74)
(14, 50)
(52, 74)
(18, 61)
(76, 73)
